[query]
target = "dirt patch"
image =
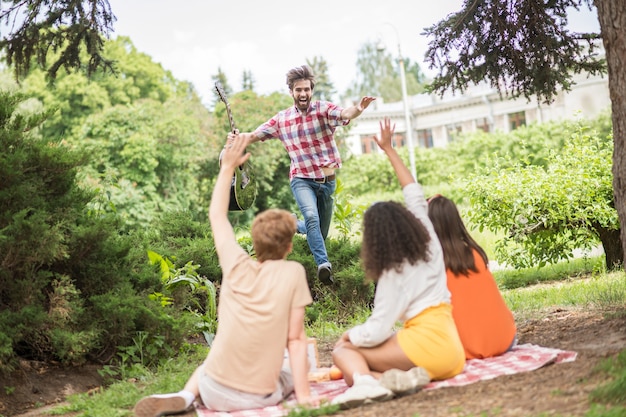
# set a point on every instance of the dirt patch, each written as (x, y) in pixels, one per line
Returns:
(560, 389)
(37, 384)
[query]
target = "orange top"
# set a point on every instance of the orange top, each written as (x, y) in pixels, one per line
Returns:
(485, 324)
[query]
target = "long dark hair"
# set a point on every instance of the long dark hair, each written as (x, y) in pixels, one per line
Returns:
(456, 242)
(392, 235)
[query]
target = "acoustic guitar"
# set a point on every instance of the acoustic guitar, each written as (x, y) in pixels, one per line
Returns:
(243, 187)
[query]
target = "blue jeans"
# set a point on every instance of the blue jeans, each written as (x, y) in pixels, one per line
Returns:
(315, 201)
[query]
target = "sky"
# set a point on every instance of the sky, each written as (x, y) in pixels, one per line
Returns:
(193, 38)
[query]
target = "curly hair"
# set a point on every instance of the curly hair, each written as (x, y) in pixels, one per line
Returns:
(456, 242)
(392, 235)
(272, 234)
(303, 72)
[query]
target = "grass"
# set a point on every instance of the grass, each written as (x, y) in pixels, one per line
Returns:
(606, 291)
(614, 391)
(564, 271)
(118, 399)
(529, 293)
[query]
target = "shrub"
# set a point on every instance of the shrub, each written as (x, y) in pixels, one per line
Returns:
(68, 286)
(547, 212)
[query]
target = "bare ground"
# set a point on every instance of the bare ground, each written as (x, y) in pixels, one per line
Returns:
(560, 389)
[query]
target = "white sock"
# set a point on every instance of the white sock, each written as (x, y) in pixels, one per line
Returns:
(188, 396)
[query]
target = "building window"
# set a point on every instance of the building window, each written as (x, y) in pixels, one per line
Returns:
(399, 140)
(453, 132)
(517, 119)
(483, 124)
(368, 145)
(425, 138)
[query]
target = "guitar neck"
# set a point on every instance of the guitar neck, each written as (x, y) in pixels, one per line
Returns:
(222, 95)
(233, 128)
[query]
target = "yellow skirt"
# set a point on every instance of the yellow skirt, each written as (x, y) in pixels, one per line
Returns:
(430, 340)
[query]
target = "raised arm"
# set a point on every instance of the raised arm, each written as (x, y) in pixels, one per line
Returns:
(353, 112)
(384, 142)
(232, 157)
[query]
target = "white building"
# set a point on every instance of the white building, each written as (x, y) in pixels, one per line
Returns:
(435, 120)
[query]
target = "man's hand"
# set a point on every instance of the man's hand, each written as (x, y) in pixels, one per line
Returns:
(233, 154)
(365, 102)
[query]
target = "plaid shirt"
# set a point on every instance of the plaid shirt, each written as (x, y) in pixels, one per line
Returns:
(307, 138)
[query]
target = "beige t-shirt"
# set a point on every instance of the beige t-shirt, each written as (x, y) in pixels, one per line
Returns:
(255, 303)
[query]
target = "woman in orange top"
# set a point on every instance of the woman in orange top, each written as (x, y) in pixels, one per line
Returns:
(485, 324)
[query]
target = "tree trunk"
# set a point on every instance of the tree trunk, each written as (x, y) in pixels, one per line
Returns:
(613, 251)
(612, 17)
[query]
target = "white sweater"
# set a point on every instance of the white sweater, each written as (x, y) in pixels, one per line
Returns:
(400, 296)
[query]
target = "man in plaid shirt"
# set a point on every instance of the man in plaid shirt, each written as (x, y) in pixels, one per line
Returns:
(306, 130)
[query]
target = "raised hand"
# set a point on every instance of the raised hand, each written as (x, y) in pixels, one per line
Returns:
(233, 154)
(386, 133)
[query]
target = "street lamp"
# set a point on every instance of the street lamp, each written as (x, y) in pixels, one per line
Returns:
(405, 98)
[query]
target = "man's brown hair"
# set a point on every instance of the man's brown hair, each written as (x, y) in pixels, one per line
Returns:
(303, 72)
(272, 234)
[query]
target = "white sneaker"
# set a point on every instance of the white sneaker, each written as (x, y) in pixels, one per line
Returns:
(405, 382)
(158, 405)
(325, 273)
(366, 389)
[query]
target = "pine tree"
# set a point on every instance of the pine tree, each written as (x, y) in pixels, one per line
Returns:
(324, 89)
(247, 81)
(59, 28)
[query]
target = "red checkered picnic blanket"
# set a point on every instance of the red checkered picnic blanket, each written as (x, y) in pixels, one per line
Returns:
(522, 358)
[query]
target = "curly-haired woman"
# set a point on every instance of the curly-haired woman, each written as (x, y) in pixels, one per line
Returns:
(402, 255)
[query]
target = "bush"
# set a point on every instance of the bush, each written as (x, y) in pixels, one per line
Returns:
(39, 205)
(547, 212)
(69, 285)
(119, 316)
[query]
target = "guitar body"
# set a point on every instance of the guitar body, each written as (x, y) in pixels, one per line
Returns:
(243, 187)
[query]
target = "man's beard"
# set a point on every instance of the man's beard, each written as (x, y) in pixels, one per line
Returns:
(303, 105)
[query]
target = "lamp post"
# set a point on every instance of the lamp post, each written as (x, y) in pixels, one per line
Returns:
(405, 98)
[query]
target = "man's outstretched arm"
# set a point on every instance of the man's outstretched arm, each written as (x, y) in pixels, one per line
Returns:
(353, 112)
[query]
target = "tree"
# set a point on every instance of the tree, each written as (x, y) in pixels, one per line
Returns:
(379, 74)
(146, 131)
(66, 286)
(76, 96)
(523, 47)
(222, 79)
(548, 211)
(58, 26)
(247, 81)
(324, 88)
(146, 157)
